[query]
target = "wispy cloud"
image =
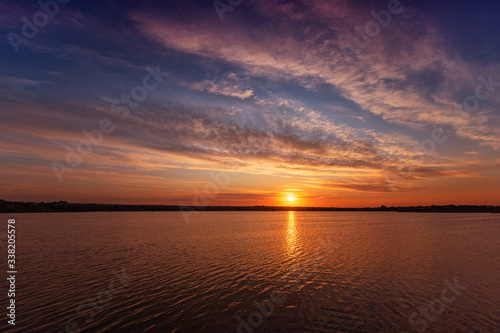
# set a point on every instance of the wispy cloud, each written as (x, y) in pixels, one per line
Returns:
(268, 92)
(223, 88)
(413, 82)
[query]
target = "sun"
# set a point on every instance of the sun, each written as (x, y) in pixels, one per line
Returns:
(291, 198)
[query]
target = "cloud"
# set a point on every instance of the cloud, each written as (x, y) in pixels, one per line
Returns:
(268, 92)
(375, 186)
(223, 88)
(406, 75)
(16, 82)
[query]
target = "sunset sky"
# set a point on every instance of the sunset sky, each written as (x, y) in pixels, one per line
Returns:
(312, 103)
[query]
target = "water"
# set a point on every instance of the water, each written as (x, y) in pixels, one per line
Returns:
(327, 272)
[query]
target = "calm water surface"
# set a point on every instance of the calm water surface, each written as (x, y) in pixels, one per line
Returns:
(326, 272)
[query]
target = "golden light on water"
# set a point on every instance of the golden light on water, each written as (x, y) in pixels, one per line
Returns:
(291, 234)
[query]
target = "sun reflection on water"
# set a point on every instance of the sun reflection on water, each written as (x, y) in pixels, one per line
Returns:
(291, 234)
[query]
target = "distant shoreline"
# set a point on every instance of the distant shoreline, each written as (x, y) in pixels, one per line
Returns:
(65, 207)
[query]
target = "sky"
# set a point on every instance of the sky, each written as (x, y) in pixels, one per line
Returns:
(250, 102)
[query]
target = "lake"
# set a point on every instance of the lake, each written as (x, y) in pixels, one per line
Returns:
(255, 272)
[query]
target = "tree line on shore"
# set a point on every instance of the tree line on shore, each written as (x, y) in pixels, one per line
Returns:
(64, 206)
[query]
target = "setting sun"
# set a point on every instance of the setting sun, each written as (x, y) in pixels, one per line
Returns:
(291, 197)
